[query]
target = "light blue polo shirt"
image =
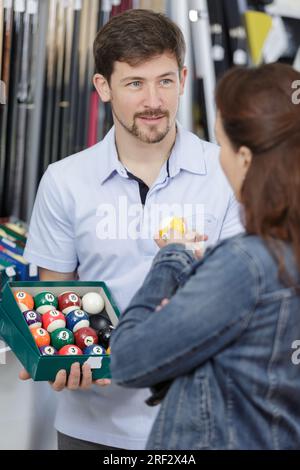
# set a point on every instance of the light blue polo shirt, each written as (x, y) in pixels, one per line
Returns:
(88, 216)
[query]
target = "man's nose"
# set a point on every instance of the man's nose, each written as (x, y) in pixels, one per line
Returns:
(152, 97)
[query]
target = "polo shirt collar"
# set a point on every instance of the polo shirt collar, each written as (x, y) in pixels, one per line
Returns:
(184, 156)
(110, 162)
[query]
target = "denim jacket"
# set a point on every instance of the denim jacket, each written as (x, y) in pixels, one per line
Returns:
(225, 341)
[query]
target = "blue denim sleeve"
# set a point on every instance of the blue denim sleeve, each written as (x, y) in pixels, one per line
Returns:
(205, 315)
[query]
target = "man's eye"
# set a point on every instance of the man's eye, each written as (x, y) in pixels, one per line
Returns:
(166, 82)
(135, 84)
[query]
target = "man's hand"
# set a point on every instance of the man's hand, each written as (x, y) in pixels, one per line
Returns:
(23, 375)
(77, 379)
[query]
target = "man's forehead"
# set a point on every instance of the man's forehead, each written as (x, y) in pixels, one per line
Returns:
(155, 66)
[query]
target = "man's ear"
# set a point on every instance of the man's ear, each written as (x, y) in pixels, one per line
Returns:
(102, 87)
(183, 75)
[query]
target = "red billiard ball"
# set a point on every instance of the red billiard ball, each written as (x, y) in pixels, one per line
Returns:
(53, 320)
(85, 337)
(68, 301)
(70, 350)
(40, 336)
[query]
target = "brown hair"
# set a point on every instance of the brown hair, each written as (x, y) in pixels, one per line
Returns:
(258, 110)
(135, 36)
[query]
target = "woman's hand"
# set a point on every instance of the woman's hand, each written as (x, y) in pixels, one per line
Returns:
(191, 240)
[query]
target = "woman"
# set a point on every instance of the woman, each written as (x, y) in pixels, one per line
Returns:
(226, 337)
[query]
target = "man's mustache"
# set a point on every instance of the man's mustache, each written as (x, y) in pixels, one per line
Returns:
(153, 113)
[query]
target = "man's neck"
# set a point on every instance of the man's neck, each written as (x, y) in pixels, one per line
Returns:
(141, 159)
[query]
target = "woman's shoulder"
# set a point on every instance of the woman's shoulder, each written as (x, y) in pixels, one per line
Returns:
(242, 249)
(254, 254)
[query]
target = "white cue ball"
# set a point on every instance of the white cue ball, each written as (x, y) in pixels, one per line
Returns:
(92, 303)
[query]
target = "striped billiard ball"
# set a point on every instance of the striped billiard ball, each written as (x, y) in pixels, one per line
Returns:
(77, 319)
(53, 320)
(32, 318)
(24, 300)
(68, 301)
(45, 301)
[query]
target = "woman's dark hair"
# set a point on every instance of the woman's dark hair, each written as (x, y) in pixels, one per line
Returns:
(134, 37)
(260, 109)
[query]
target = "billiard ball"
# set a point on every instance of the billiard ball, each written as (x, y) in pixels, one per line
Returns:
(45, 301)
(99, 321)
(92, 303)
(108, 350)
(85, 337)
(104, 336)
(68, 301)
(24, 300)
(70, 350)
(61, 337)
(53, 320)
(94, 350)
(32, 318)
(40, 336)
(48, 351)
(77, 319)
(172, 224)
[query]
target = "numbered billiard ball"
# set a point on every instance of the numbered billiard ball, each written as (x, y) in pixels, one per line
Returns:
(172, 224)
(77, 319)
(94, 350)
(53, 320)
(68, 301)
(61, 337)
(85, 337)
(48, 351)
(104, 336)
(45, 301)
(108, 350)
(99, 321)
(33, 319)
(92, 303)
(70, 350)
(40, 336)
(24, 300)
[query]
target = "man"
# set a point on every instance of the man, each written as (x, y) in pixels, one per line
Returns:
(146, 160)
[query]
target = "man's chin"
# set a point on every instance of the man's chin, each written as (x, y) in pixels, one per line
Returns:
(151, 138)
(150, 135)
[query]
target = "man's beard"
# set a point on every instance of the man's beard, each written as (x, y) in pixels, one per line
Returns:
(153, 136)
